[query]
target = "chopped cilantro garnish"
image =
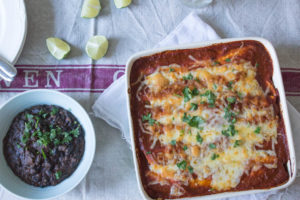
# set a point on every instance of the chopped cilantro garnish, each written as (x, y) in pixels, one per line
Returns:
(148, 152)
(227, 59)
(211, 97)
(240, 94)
(149, 119)
(171, 70)
(230, 131)
(75, 132)
(199, 138)
(191, 169)
(237, 143)
(215, 86)
(189, 94)
(58, 175)
(29, 117)
(257, 130)
(173, 142)
(177, 95)
(212, 146)
(193, 121)
(195, 92)
(43, 154)
(193, 106)
(229, 85)
(185, 147)
(54, 111)
(216, 63)
(215, 156)
(181, 165)
(229, 115)
(231, 99)
(26, 133)
(256, 64)
(188, 77)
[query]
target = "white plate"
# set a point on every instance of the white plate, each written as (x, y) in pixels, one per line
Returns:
(13, 29)
(277, 79)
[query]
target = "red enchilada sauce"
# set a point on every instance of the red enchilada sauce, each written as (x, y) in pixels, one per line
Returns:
(258, 56)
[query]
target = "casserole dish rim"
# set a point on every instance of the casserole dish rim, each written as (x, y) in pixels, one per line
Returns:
(278, 84)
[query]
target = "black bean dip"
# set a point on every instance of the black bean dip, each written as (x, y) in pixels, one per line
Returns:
(44, 145)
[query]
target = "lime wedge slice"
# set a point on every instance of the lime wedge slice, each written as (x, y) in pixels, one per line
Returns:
(90, 8)
(96, 47)
(122, 3)
(58, 48)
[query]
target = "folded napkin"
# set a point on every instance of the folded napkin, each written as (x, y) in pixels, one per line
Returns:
(111, 105)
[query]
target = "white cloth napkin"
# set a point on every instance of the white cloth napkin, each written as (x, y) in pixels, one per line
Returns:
(111, 105)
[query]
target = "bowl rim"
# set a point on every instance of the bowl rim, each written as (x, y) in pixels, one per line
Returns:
(93, 141)
(283, 105)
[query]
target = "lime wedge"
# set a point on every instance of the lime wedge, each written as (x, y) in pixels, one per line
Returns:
(90, 8)
(96, 47)
(122, 3)
(58, 48)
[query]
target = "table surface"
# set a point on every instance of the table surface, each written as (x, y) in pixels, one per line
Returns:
(137, 28)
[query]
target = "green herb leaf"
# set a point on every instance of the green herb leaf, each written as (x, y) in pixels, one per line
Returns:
(185, 147)
(181, 165)
(240, 94)
(188, 77)
(212, 146)
(256, 64)
(215, 86)
(173, 142)
(229, 85)
(216, 63)
(177, 95)
(75, 132)
(215, 156)
(29, 117)
(230, 131)
(229, 115)
(57, 175)
(194, 121)
(194, 106)
(231, 99)
(54, 111)
(199, 138)
(187, 94)
(149, 119)
(171, 70)
(237, 143)
(191, 169)
(148, 152)
(227, 59)
(43, 154)
(211, 97)
(257, 130)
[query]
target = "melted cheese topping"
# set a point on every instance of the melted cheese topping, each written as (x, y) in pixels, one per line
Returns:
(210, 151)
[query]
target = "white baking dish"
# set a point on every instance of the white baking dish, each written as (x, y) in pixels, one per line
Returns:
(277, 79)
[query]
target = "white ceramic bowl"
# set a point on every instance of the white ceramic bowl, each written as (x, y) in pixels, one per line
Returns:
(17, 104)
(277, 79)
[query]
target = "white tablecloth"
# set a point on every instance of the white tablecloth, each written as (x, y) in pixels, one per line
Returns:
(136, 28)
